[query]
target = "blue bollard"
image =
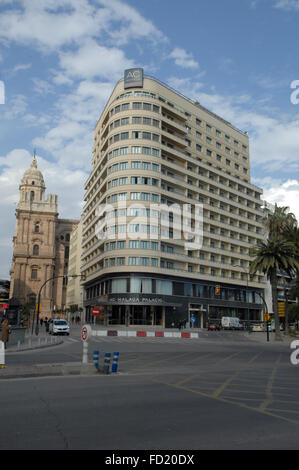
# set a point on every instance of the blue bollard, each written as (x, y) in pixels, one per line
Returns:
(115, 362)
(96, 354)
(107, 363)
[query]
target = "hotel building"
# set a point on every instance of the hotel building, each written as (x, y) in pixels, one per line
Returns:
(161, 163)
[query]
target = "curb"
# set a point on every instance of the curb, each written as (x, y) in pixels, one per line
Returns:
(34, 345)
(47, 370)
(145, 334)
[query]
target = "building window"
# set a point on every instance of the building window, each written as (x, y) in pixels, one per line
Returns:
(66, 252)
(33, 273)
(36, 227)
(35, 249)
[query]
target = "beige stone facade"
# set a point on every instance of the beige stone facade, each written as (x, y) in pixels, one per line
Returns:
(40, 246)
(74, 295)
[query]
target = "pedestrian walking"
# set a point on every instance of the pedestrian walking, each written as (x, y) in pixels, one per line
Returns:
(5, 331)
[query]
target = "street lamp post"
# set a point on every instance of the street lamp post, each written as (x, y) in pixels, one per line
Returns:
(247, 293)
(37, 307)
(285, 292)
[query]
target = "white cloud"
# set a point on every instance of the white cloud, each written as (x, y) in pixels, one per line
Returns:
(282, 193)
(52, 24)
(70, 138)
(288, 5)
(16, 106)
(92, 60)
(35, 22)
(134, 25)
(20, 67)
(183, 58)
(42, 87)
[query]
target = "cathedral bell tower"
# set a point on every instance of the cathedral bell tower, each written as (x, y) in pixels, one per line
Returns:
(34, 240)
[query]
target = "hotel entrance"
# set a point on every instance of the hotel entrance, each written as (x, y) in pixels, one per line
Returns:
(146, 315)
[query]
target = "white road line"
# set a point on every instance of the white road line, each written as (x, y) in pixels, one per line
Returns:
(74, 340)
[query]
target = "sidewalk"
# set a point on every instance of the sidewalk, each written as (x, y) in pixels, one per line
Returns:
(42, 340)
(261, 336)
(33, 341)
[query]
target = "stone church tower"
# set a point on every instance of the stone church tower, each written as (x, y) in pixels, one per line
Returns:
(40, 245)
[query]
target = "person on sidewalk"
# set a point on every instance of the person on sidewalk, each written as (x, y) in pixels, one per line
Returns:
(5, 331)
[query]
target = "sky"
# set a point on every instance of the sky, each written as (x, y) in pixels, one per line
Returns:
(60, 60)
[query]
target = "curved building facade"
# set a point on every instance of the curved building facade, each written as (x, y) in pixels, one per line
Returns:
(170, 213)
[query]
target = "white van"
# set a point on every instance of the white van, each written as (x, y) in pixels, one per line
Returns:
(231, 323)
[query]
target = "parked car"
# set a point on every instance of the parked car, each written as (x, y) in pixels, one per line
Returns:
(213, 326)
(258, 327)
(231, 323)
(58, 326)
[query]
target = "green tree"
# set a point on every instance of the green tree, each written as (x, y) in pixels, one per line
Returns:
(282, 225)
(279, 222)
(271, 256)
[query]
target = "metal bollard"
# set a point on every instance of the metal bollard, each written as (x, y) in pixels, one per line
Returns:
(85, 353)
(107, 363)
(115, 362)
(2, 355)
(96, 355)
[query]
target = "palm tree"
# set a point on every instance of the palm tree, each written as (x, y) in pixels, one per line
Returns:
(271, 256)
(279, 221)
(282, 225)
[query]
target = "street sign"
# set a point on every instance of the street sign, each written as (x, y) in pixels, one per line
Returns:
(84, 333)
(267, 317)
(192, 319)
(96, 311)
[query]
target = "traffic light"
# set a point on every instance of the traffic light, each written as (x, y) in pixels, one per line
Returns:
(83, 276)
(217, 291)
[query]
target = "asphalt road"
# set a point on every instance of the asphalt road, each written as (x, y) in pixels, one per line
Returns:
(221, 391)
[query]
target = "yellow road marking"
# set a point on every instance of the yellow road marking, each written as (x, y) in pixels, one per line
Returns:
(269, 387)
(187, 379)
(224, 385)
(230, 402)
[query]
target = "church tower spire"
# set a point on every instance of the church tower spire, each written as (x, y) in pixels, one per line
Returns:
(32, 187)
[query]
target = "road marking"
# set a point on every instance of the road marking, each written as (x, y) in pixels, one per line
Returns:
(230, 402)
(269, 394)
(224, 385)
(254, 358)
(191, 377)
